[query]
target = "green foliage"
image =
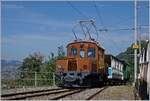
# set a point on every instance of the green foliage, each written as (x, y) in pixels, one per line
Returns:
(49, 66)
(48, 69)
(128, 57)
(32, 63)
(35, 66)
(61, 52)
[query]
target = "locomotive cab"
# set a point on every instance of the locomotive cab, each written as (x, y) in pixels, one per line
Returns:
(83, 59)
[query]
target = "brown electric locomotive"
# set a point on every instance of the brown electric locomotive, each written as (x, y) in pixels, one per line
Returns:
(84, 63)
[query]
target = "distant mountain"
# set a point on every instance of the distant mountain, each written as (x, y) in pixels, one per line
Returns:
(9, 68)
(10, 62)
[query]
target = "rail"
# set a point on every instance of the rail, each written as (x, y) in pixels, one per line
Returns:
(25, 95)
(58, 97)
(55, 94)
(66, 94)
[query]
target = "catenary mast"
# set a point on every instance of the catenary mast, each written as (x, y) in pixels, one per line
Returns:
(135, 40)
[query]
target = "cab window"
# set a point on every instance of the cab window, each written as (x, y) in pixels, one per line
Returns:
(74, 51)
(91, 52)
(81, 53)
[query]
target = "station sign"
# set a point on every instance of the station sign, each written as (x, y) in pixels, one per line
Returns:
(135, 46)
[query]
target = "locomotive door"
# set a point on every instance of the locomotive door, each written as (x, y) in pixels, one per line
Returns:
(72, 65)
(94, 67)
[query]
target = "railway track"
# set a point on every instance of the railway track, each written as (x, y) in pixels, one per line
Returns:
(75, 94)
(94, 94)
(49, 94)
(57, 97)
(30, 94)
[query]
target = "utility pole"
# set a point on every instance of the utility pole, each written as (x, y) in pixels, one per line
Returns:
(149, 22)
(148, 90)
(135, 41)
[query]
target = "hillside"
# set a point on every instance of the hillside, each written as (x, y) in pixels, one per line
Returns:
(9, 68)
(128, 57)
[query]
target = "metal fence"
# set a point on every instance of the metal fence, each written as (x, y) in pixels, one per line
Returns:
(28, 79)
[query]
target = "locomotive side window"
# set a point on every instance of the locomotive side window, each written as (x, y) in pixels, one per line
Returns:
(91, 52)
(81, 53)
(74, 51)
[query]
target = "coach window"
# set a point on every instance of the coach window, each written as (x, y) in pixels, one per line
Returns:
(74, 51)
(91, 52)
(81, 53)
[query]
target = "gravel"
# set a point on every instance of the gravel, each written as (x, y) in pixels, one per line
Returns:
(116, 93)
(82, 95)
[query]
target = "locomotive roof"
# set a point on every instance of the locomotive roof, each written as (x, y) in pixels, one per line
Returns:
(86, 41)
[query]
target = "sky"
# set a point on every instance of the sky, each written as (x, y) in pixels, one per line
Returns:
(42, 26)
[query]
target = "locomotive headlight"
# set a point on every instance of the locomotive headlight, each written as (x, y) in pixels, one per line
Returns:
(59, 70)
(59, 66)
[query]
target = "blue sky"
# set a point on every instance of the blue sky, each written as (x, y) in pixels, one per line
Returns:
(33, 26)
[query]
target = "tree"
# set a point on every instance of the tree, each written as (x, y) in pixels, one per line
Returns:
(61, 52)
(32, 63)
(49, 66)
(48, 70)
